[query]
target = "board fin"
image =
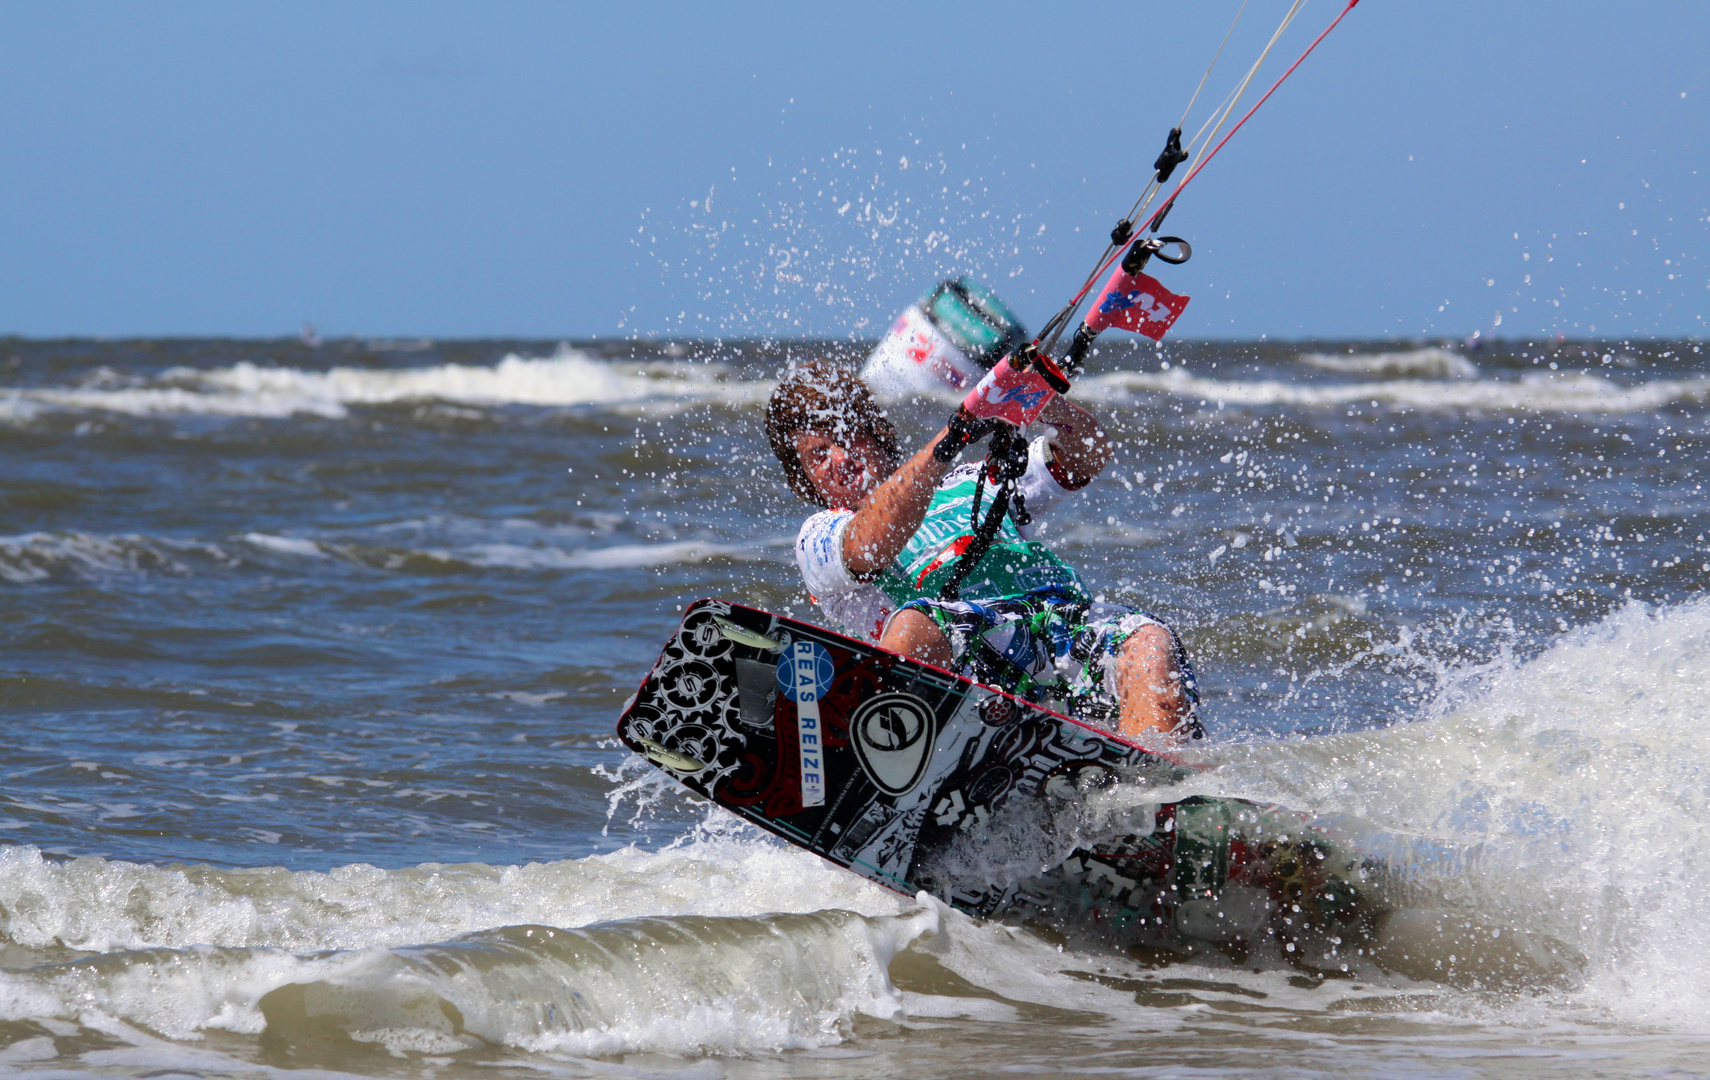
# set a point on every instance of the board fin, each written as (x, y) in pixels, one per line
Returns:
(671, 759)
(744, 636)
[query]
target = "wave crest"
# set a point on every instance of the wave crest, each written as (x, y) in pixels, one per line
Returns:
(1427, 363)
(44, 556)
(567, 378)
(57, 556)
(730, 945)
(1568, 392)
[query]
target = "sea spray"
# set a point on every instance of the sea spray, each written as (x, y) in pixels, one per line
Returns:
(368, 651)
(1567, 798)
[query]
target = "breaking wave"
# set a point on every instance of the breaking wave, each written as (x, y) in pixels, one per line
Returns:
(715, 940)
(1426, 379)
(1566, 392)
(57, 556)
(1567, 795)
(1427, 363)
(617, 557)
(567, 378)
(44, 556)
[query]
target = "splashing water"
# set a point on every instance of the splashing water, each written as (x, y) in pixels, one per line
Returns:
(311, 656)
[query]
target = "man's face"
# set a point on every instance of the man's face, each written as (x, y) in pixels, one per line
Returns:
(843, 475)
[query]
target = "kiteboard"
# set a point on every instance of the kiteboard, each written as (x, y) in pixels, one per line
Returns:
(921, 780)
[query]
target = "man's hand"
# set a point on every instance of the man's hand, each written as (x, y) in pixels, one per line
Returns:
(1081, 447)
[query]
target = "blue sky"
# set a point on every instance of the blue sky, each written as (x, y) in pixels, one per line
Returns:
(544, 169)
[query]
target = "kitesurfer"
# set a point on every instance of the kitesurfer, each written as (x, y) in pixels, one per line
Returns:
(891, 532)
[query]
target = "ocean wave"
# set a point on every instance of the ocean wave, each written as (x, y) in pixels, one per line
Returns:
(726, 984)
(1567, 392)
(1558, 798)
(724, 943)
(617, 557)
(45, 556)
(101, 905)
(734, 945)
(285, 545)
(1565, 796)
(1427, 363)
(567, 378)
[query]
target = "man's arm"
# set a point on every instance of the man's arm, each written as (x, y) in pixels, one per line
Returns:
(891, 514)
(1081, 447)
(883, 525)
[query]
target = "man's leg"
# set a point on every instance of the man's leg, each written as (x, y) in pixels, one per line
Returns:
(1150, 683)
(915, 635)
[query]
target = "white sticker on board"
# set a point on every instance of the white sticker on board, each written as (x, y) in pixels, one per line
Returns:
(805, 672)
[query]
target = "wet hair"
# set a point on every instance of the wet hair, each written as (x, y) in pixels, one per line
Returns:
(818, 397)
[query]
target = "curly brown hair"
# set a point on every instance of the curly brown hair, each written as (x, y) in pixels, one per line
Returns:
(819, 397)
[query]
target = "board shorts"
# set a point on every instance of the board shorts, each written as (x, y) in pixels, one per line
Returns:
(1052, 648)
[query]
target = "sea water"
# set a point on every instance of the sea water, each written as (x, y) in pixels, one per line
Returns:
(311, 658)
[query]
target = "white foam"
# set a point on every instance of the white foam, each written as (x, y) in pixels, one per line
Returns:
(1426, 363)
(1567, 795)
(1566, 392)
(285, 545)
(693, 940)
(674, 984)
(15, 409)
(40, 1048)
(169, 400)
(39, 556)
(101, 905)
(692, 962)
(621, 556)
(1572, 791)
(524, 697)
(567, 378)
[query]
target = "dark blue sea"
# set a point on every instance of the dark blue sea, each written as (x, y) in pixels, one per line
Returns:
(310, 658)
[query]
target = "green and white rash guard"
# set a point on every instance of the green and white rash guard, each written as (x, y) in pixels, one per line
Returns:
(1015, 563)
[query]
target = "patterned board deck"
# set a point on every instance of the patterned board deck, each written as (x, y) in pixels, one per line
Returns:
(919, 779)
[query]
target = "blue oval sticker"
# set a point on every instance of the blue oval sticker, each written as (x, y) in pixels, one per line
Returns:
(805, 666)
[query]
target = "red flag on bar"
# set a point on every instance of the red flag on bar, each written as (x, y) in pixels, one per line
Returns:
(1136, 302)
